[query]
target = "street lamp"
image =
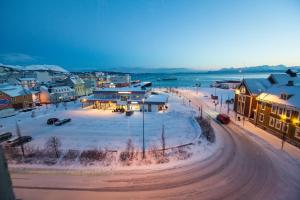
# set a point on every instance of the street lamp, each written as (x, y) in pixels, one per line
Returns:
(143, 101)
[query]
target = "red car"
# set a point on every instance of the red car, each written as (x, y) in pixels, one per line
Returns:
(224, 119)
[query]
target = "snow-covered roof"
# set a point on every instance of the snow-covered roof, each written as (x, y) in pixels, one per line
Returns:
(156, 98)
(257, 85)
(284, 78)
(121, 89)
(27, 79)
(61, 89)
(273, 95)
(76, 80)
(14, 90)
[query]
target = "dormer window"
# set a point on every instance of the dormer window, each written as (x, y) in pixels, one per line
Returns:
(284, 96)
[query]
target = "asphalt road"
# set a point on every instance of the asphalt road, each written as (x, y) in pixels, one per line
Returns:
(242, 168)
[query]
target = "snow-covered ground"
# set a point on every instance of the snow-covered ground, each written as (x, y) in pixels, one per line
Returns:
(91, 128)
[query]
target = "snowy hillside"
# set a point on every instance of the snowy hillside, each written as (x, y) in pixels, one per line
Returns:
(36, 67)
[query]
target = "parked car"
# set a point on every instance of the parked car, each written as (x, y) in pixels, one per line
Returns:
(51, 121)
(5, 136)
(27, 109)
(224, 119)
(61, 122)
(129, 112)
(21, 140)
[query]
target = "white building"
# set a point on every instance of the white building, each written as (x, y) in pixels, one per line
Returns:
(56, 94)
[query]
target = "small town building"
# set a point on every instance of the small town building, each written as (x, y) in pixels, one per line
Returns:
(245, 95)
(128, 98)
(15, 96)
(76, 83)
(271, 103)
(56, 94)
(122, 80)
(278, 110)
(226, 84)
(29, 83)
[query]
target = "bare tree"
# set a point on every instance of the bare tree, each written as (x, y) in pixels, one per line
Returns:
(53, 144)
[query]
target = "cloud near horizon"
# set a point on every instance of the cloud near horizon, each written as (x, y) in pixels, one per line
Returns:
(16, 58)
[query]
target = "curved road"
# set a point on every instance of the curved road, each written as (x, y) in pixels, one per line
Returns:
(242, 168)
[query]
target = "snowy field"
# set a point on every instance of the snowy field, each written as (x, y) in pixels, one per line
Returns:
(92, 128)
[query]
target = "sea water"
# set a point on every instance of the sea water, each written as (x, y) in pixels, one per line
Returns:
(192, 79)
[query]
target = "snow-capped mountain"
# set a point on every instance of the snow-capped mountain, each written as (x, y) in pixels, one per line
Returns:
(55, 68)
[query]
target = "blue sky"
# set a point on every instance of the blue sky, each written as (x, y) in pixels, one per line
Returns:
(202, 34)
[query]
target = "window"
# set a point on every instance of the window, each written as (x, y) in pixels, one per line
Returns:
(278, 124)
(285, 127)
(261, 117)
(263, 106)
(272, 121)
(274, 109)
(297, 133)
(284, 96)
(288, 114)
(243, 89)
(280, 111)
(241, 104)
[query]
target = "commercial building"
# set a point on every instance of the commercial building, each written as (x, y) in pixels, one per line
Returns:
(128, 98)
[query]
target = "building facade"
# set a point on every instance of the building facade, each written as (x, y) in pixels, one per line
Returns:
(278, 110)
(127, 98)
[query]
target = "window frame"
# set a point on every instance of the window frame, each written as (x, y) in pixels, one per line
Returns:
(272, 109)
(280, 108)
(291, 111)
(261, 117)
(278, 122)
(273, 120)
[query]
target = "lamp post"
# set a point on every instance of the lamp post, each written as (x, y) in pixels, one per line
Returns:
(143, 101)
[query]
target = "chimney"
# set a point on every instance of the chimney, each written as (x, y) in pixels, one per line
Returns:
(290, 83)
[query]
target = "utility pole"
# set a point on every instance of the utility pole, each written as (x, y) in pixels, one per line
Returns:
(19, 135)
(143, 100)
(228, 105)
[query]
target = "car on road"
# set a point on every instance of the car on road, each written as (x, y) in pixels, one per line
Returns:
(5, 136)
(21, 140)
(51, 121)
(129, 112)
(223, 118)
(61, 122)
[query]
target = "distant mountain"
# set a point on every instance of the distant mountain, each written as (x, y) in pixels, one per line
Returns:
(138, 70)
(261, 68)
(55, 68)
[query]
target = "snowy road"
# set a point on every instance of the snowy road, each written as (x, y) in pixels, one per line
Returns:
(243, 168)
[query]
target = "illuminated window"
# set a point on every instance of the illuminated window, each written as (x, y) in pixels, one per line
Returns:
(278, 124)
(272, 121)
(243, 89)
